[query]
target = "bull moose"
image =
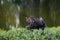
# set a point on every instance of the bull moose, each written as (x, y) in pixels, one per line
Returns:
(35, 23)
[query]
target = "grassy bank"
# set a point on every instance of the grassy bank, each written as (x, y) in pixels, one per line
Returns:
(24, 34)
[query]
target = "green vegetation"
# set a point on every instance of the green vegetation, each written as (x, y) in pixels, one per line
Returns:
(24, 34)
(13, 13)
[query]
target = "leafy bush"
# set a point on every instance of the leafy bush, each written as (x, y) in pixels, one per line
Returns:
(24, 34)
(1, 33)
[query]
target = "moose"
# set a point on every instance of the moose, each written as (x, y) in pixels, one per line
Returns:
(35, 23)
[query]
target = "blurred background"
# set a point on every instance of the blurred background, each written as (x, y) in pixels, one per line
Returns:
(13, 12)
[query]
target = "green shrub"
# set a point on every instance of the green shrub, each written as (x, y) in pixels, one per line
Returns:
(1, 34)
(24, 34)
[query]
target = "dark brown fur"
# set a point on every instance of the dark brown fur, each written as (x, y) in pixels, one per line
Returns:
(35, 23)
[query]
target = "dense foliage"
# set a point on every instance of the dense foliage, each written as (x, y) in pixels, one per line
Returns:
(24, 34)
